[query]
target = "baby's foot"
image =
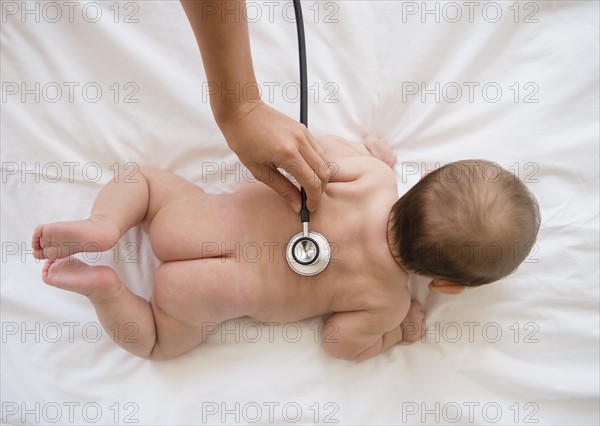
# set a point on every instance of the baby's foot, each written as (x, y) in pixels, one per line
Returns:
(98, 282)
(61, 239)
(413, 326)
(380, 149)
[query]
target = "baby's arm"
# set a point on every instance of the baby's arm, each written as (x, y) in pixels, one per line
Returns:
(360, 335)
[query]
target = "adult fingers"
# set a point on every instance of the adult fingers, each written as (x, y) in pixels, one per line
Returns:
(320, 164)
(314, 177)
(306, 177)
(270, 176)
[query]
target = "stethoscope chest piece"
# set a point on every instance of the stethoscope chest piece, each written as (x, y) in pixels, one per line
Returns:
(308, 255)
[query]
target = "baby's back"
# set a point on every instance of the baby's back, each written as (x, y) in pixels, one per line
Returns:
(249, 231)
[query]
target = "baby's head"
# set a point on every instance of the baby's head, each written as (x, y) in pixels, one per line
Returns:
(470, 222)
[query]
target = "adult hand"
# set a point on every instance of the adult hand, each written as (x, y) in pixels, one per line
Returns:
(265, 139)
(262, 138)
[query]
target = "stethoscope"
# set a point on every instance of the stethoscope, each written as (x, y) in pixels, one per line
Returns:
(308, 252)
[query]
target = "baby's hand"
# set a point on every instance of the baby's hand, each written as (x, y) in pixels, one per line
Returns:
(413, 326)
(380, 149)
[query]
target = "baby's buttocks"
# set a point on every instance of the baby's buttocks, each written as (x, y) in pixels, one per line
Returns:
(251, 226)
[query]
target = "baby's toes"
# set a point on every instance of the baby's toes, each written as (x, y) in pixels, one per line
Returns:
(36, 244)
(43, 243)
(46, 271)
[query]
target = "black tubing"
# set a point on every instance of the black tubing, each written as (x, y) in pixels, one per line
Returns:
(304, 212)
(302, 61)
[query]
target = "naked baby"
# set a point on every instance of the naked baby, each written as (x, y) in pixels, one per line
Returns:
(442, 228)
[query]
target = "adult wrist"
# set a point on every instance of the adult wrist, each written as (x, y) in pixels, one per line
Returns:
(228, 111)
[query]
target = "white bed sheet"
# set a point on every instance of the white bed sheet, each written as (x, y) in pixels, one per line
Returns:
(524, 350)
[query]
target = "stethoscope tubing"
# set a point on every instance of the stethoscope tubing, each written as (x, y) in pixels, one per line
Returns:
(321, 250)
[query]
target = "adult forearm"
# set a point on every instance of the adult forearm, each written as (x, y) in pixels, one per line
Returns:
(222, 35)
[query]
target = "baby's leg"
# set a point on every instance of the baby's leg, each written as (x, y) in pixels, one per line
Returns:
(134, 323)
(190, 299)
(127, 318)
(119, 206)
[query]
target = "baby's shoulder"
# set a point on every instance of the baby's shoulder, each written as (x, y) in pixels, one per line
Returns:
(368, 170)
(387, 291)
(365, 182)
(389, 310)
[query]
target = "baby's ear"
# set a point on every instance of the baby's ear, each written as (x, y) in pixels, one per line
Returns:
(446, 286)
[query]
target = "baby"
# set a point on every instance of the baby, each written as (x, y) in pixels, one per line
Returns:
(465, 224)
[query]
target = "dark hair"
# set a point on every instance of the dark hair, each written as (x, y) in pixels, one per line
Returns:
(471, 222)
